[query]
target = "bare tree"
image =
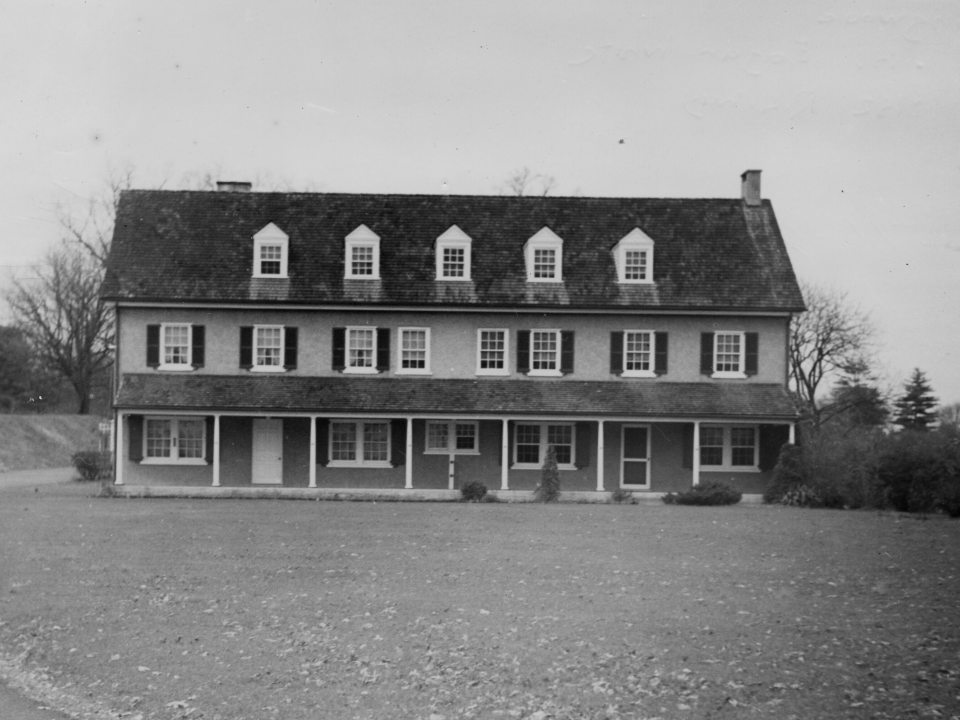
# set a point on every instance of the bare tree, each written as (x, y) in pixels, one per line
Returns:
(92, 227)
(523, 182)
(950, 414)
(831, 338)
(60, 312)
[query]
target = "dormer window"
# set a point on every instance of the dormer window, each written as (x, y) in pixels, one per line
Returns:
(634, 257)
(544, 257)
(453, 255)
(363, 254)
(270, 247)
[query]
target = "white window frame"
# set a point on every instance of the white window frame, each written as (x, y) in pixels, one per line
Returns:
(544, 239)
(358, 440)
(741, 361)
(257, 367)
(401, 370)
(362, 237)
(451, 430)
(359, 369)
(505, 370)
(558, 342)
(174, 458)
(639, 241)
(651, 371)
(271, 235)
(454, 239)
(176, 367)
(543, 442)
(727, 462)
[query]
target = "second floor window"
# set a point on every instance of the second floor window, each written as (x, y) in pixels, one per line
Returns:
(268, 348)
(361, 349)
(175, 346)
(414, 350)
(638, 353)
(545, 352)
(727, 354)
(492, 352)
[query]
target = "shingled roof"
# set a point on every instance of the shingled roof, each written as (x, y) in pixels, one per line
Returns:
(197, 247)
(464, 398)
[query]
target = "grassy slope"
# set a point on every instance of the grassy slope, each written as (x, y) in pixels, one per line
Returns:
(240, 610)
(39, 441)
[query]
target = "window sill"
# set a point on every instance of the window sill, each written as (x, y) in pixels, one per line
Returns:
(624, 486)
(449, 452)
(380, 464)
(729, 376)
(173, 461)
(539, 466)
(730, 468)
(268, 369)
(497, 373)
(269, 276)
(638, 374)
(361, 277)
(175, 368)
(545, 373)
(360, 371)
(453, 279)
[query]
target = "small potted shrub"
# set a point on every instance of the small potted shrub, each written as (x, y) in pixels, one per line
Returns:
(712, 493)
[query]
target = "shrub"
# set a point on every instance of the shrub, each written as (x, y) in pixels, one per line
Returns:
(92, 465)
(623, 496)
(788, 474)
(920, 471)
(549, 488)
(713, 493)
(473, 491)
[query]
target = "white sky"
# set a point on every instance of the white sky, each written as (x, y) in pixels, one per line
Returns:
(852, 109)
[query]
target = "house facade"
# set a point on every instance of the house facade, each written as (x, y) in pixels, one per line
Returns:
(403, 342)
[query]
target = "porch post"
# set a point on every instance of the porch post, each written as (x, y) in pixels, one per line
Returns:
(119, 455)
(600, 456)
(408, 468)
(505, 457)
(216, 451)
(313, 452)
(451, 471)
(793, 434)
(696, 453)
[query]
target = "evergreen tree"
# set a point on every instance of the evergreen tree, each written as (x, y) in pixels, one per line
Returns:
(915, 408)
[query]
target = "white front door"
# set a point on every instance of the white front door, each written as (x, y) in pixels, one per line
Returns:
(635, 456)
(267, 452)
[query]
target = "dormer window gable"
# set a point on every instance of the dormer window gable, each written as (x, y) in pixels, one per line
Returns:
(543, 254)
(453, 255)
(362, 261)
(633, 256)
(270, 253)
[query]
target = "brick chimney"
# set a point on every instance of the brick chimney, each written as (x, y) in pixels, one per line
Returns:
(233, 186)
(750, 187)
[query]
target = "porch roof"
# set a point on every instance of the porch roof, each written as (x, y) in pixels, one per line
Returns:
(466, 397)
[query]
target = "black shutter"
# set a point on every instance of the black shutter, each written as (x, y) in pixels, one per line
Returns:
(706, 353)
(323, 450)
(686, 449)
(616, 353)
(523, 351)
(339, 348)
(566, 352)
(398, 442)
(197, 342)
(584, 441)
(752, 343)
(660, 353)
(153, 346)
(383, 349)
(135, 441)
(209, 458)
(290, 348)
(246, 347)
(771, 439)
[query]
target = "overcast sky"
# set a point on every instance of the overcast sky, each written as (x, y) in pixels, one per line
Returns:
(851, 109)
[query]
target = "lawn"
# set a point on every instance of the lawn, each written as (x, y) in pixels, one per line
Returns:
(283, 609)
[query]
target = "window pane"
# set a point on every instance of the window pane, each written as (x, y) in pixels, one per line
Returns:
(343, 441)
(176, 344)
(543, 350)
(413, 349)
(376, 445)
(711, 446)
(437, 436)
(528, 443)
(636, 350)
(635, 265)
(466, 436)
(728, 352)
(492, 349)
(454, 263)
(159, 438)
(360, 348)
(190, 438)
(270, 257)
(545, 263)
(561, 437)
(361, 260)
(269, 346)
(742, 442)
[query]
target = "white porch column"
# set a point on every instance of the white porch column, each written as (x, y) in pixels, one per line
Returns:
(313, 452)
(793, 434)
(408, 468)
(505, 457)
(696, 453)
(600, 456)
(451, 471)
(216, 451)
(119, 455)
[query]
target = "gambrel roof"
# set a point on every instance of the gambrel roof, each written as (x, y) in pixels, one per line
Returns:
(196, 247)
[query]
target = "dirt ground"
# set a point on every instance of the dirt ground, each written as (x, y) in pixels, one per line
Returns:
(282, 609)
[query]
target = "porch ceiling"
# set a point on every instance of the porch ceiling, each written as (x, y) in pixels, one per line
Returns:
(483, 396)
